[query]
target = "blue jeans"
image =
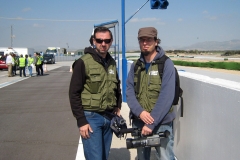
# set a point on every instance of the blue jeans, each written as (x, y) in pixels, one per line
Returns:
(30, 70)
(165, 151)
(97, 147)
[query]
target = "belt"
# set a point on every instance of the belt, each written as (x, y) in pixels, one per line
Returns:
(106, 114)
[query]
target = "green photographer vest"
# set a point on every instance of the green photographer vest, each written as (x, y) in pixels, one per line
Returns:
(149, 86)
(99, 90)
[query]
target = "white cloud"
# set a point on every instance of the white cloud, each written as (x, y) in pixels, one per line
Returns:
(212, 17)
(205, 12)
(26, 9)
(38, 25)
(161, 23)
(144, 20)
(19, 18)
(180, 20)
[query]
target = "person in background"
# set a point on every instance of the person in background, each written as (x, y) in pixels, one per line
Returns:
(39, 63)
(94, 94)
(35, 61)
(30, 64)
(14, 70)
(26, 68)
(22, 64)
(41, 66)
(149, 97)
(10, 63)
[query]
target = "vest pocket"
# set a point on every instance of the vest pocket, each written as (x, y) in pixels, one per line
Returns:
(91, 102)
(96, 101)
(95, 83)
(86, 99)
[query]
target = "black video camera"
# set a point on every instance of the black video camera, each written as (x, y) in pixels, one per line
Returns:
(143, 141)
(118, 123)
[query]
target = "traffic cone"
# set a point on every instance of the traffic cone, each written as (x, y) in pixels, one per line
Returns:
(70, 69)
(45, 67)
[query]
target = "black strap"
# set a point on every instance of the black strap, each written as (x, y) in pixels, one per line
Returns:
(181, 106)
(161, 62)
(138, 64)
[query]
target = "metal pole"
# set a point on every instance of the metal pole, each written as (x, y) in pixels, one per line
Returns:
(136, 12)
(124, 61)
(115, 54)
(118, 48)
(11, 36)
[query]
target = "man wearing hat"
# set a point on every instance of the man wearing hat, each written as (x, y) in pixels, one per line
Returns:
(150, 97)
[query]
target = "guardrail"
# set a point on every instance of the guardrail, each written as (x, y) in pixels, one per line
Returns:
(66, 58)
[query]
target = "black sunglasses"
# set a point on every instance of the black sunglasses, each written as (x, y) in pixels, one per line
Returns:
(103, 40)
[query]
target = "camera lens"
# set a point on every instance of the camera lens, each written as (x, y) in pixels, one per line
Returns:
(135, 143)
(129, 143)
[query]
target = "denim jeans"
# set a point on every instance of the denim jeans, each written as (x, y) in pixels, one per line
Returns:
(97, 147)
(165, 151)
(30, 70)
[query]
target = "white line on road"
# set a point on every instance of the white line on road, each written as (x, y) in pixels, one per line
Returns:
(11, 82)
(80, 153)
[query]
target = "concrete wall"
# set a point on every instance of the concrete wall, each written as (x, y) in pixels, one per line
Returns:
(210, 125)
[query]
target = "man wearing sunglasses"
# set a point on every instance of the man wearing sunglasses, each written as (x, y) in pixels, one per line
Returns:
(150, 97)
(95, 95)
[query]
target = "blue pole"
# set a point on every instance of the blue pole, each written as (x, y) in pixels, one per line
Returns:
(124, 61)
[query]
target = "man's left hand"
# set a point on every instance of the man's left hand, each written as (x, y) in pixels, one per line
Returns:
(117, 111)
(146, 131)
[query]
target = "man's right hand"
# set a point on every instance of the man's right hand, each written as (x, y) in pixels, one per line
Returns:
(146, 117)
(84, 131)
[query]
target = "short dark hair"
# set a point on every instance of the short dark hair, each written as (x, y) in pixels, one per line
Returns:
(91, 40)
(102, 29)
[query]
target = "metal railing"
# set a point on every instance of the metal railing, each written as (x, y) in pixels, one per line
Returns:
(66, 58)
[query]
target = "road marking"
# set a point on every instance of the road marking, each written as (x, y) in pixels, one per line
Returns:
(12, 82)
(80, 153)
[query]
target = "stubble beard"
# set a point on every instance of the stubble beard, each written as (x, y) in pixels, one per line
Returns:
(103, 54)
(146, 53)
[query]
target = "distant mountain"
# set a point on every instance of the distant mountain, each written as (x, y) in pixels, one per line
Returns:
(208, 45)
(214, 45)
(40, 48)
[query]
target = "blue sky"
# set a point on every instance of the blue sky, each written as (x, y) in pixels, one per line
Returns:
(58, 23)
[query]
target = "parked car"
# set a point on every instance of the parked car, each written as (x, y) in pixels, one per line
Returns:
(49, 58)
(3, 64)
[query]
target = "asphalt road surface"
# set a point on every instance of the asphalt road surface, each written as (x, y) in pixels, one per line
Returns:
(36, 122)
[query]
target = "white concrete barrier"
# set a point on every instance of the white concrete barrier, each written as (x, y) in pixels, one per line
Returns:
(209, 128)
